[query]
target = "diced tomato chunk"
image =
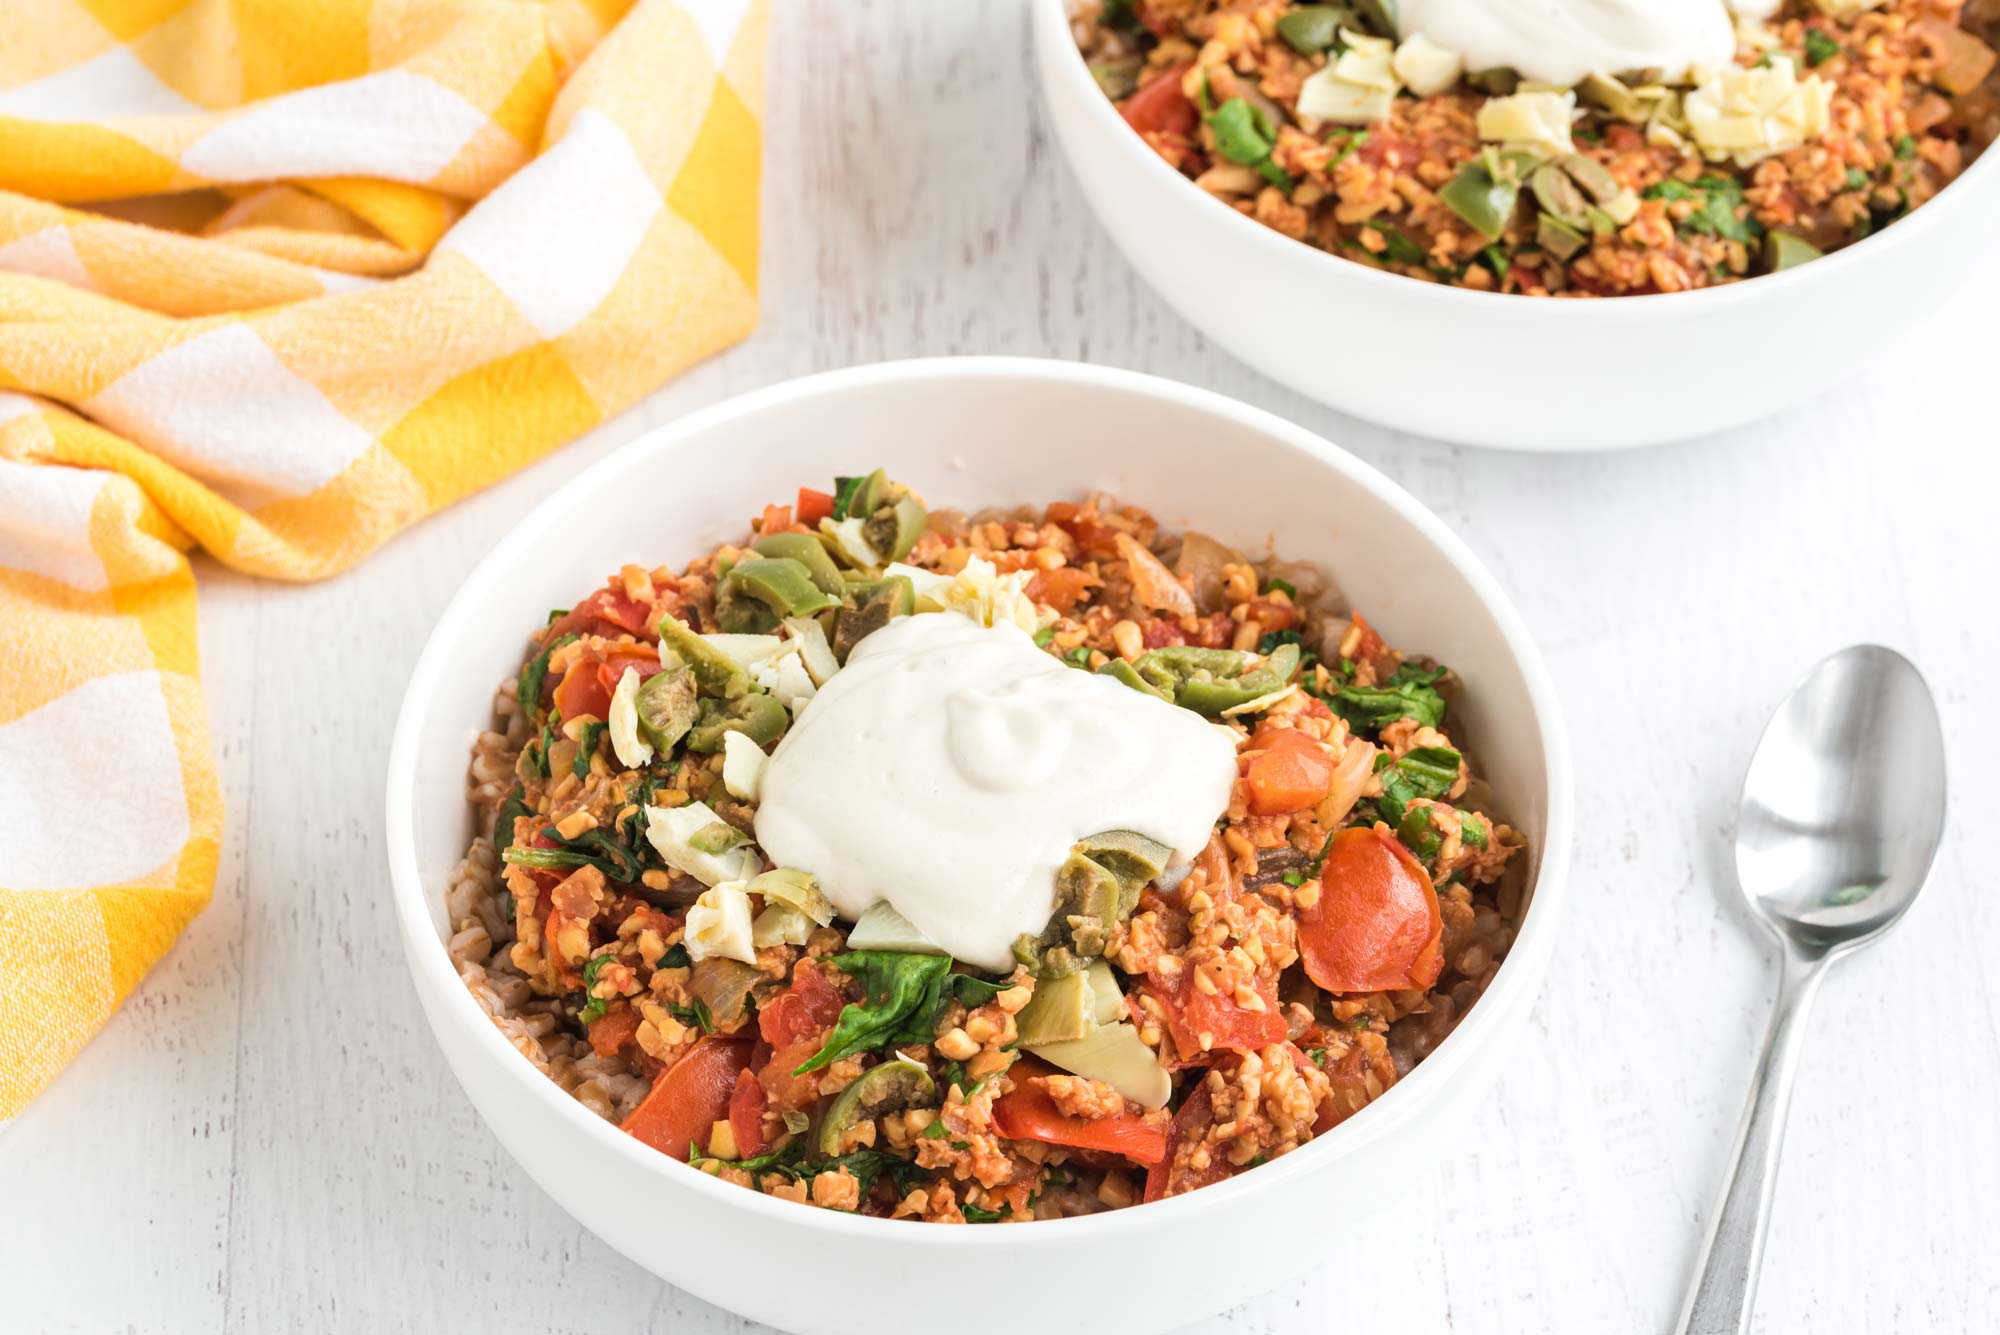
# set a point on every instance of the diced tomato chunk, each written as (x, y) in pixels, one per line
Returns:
(1027, 1112)
(1293, 772)
(690, 1096)
(1375, 926)
(1193, 1014)
(586, 688)
(612, 1030)
(746, 1115)
(1161, 106)
(813, 506)
(1174, 1174)
(1061, 588)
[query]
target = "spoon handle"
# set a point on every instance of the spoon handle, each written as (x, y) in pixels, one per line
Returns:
(1719, 1299)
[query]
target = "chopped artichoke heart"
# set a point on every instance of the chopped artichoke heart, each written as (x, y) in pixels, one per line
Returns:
(1426, 68)
(1358, 88)
(1749, 114)
(881, 927)
(719, 924)
(928, 585)
(743, 763)
(814, 651)
(746, 651)
(632, 750)
(672, 830)
(1262, 702)
(780, 926)
(1115, 1054)
(852, 542)
(1535, 119)
(794, 889)
(980, 591)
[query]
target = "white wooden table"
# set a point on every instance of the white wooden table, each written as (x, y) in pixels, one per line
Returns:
(265, 1139)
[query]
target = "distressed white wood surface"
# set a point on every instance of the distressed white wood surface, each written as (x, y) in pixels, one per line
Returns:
(264, 1138)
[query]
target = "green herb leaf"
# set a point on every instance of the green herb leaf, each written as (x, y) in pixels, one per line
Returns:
(593, 848)
(1496, 259)
(1118, 15)
(1906, 148)
(1244, 134)
(1078, 657)
(1820, 47)
(1417, 834)
(1425, 772)
(1471, 830)
(902, 995)
(1272, 641)
(1044, 635)
(1407, 694)
(676, 957)
(935, 1131)
(513, 807)
(528, 687)
(976, 1215)
(696, 1014)
(1283, 586)
(845, 489)
(1400, 248)
(586, 747)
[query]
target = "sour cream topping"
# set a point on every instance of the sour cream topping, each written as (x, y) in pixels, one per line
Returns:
(1562, 41)
(949, 767)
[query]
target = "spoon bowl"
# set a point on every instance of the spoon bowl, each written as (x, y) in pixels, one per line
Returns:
(1843, 805)
(1843, 811)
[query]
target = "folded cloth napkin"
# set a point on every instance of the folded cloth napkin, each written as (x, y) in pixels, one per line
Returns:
(277, 280)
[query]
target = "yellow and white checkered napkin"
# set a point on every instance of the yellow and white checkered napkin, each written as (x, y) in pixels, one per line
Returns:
(277, 279)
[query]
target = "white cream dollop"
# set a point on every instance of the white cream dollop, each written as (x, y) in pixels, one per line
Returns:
(1561, 41)
(949, 766)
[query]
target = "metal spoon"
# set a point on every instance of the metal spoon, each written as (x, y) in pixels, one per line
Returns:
(1843, 809)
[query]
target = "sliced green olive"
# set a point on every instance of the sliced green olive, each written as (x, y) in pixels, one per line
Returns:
(884, 600)
(756, 715)
(896, 529)
(1496, 82)
(1782, 251)
(1613, 96)
(1485, 204)
(1558, 237)
(667, 705)
(1089, 899)
(869, 494)
(739, 612)
(897, 1083)
(1062, 1010)
(1559, 195)
(1378, 16)
(714, 671)
(808, 551)
(1311, 29)
(783, 584)
(1125, 674)
(1209, 681)
(1131, 857)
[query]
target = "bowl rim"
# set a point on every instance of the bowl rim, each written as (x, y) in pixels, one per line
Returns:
(1051, 23)
(431, 968)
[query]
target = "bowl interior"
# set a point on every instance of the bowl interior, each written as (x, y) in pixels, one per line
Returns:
(971, 438)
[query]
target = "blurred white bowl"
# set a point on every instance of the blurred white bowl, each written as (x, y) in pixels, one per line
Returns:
(969, 433)
(1483, 368)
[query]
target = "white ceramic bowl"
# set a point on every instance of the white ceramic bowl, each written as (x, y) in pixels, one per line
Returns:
(971, 432)
(1488, 369)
